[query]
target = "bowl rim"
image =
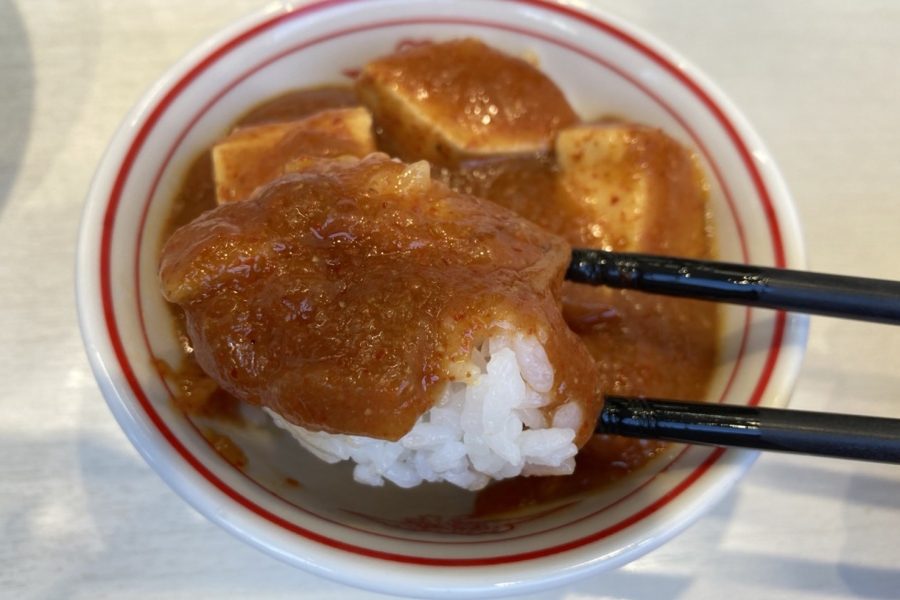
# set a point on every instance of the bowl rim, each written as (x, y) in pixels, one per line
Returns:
(196, 487)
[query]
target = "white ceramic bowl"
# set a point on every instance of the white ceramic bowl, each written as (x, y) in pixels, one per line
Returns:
(419, 542)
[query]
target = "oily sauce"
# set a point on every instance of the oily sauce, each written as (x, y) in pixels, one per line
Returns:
(343, 297)
(642, 344)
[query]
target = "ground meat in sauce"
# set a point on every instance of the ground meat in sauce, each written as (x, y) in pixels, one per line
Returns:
(634, 339)
(342, 296)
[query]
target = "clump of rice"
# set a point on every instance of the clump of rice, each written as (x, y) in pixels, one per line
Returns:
(486, 426)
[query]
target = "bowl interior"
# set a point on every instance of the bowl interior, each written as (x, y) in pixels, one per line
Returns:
(288, 502)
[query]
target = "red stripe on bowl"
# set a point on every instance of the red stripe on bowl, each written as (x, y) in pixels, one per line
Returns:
(401, 22)
(160, 108)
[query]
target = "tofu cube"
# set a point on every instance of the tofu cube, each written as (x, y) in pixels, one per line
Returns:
(444, 102)
(636, 189)
(253, 156)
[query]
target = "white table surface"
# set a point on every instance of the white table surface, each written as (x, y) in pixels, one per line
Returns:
(82, 516)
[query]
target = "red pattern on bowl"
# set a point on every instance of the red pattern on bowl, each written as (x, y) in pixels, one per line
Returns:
(433, 552)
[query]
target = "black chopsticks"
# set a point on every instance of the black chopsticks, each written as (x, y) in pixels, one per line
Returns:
(799, 291)
(823, 434)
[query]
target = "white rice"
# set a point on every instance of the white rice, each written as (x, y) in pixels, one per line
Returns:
(488, 426)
